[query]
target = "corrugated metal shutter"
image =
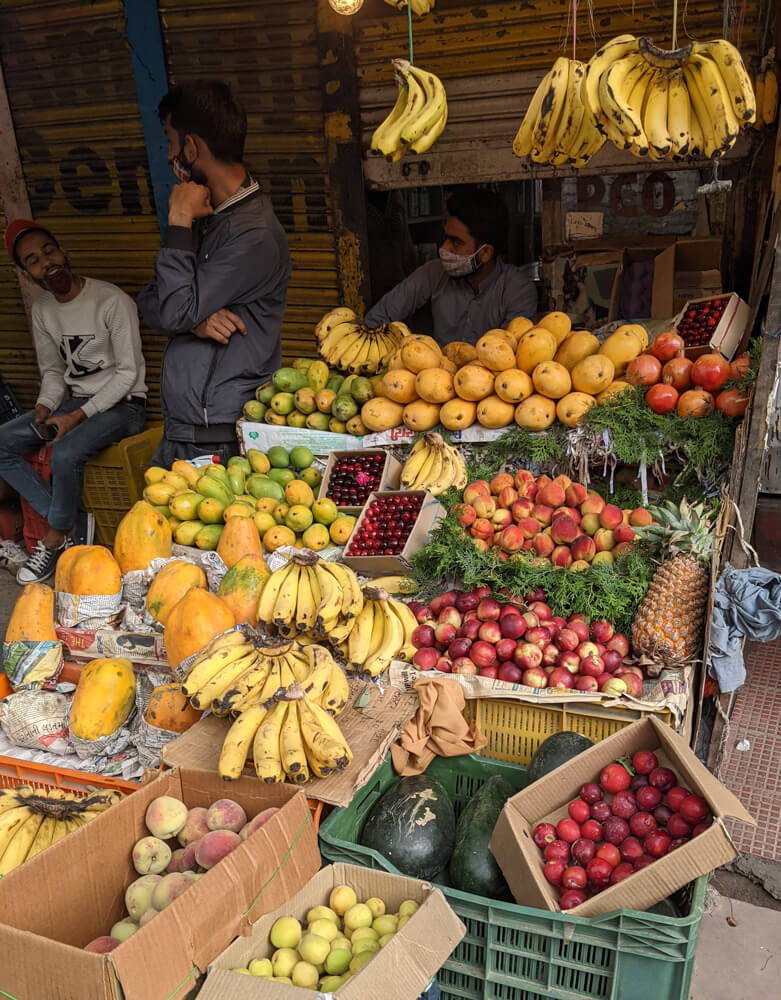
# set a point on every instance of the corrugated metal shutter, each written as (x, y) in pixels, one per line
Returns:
(268, 53)
(72, 95)
(491, 57)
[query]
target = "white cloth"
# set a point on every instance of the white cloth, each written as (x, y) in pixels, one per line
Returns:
(90, 346)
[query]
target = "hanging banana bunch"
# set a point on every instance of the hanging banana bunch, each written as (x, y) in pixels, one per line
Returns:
(419, 7)
(418, 118)
(766, 91)
(345, 343)
(689, 102)
(557, 127)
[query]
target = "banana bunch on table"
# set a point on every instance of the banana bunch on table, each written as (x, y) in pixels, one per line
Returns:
(433, 465)
(32, 819)
(689, 102)
(419, 116)
(345, 343)
(382, 633)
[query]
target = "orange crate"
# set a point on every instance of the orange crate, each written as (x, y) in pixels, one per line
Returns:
(21, 772)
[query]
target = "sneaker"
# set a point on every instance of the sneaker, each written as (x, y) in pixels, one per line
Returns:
(12, 556)
(40, 565)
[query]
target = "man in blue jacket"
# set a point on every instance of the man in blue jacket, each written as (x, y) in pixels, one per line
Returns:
(220, 282)
(471, 288)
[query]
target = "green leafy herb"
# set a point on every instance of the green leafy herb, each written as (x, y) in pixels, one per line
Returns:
(518, 443)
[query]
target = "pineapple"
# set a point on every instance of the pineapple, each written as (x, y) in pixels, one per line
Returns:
(669, 622)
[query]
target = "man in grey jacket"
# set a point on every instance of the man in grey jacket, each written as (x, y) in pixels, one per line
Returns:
(220, 282)
(470, 288)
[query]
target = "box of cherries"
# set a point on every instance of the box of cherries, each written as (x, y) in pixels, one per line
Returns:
(716, 323)
(392, 527)
(350, 476)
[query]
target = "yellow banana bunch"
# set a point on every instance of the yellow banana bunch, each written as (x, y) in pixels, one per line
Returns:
(433, 465)
(669, 104)
(382, 632)
(345, 343)
(766, 91)
(419, 7)
(419, 115)
(557, 128)
(33, 819)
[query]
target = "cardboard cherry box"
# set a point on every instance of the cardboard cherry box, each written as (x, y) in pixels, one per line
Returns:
(545, 801)
(431, 512)
(54, 904)
(401, 970)
(728, 332)
(389, 477)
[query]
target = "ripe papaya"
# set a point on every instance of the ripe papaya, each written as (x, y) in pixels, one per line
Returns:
(170, 585)
(142, 535)
(193, 622)
(32, 619)
(87, 569)
(168, 708)
(103, 699)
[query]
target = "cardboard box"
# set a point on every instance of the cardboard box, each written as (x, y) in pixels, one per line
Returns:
(401, 970)
(73, 892)
(546, 801)
(728, 334)
(652, 300)
(431, 513)
(389, 480)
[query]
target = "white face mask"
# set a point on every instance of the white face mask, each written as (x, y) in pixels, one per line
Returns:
(459, 265)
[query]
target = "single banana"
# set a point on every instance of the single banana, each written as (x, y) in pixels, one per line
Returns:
(655, 118)
(217, 686)
(337, 692)
(422, 145)
(408, 623)
(712, 104)
(10, 822)
(60, 830)
(291, 748)
(325, 755)
(600, 62)
(551, 112)
(379, 142)
(238, 742)
(447, 475)
(306, 610)
(397, 584)
(359, 639)
(679, 110)
(735, 77)
(285, 604)
(205, 668)
(697, 141)
(330, 727)
(331, 600)
(44, 836)
(615, 86)
(273, 683)
(320, 661)
(18, 847)
(253, 679)
(352, 595)
(266, 751)
(342, 314)
(524, 137)
(574, 109)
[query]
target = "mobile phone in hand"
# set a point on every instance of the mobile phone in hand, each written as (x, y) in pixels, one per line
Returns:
(46, 432)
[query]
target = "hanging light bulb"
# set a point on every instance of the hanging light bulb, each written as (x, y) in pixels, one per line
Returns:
(346, 7)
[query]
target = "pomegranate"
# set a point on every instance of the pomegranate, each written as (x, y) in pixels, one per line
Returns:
(677, 373)
(739, 366)
(620, 872)
(610, 853)
(678, 827)
(631, 849)
(732, 402)
(662, 814)
(599, 871)
(695, 403)
(667, 345)
(579, 810)
(572, 898)
(574, 877)
(644, 761)
(583, 850)
(600, 811)
(591, 792)
(694, 809)
(645, 369)
(567, 829)
(544, 834)
(553, 870)
(615, 778)
(675, 796)
(662, 398)
(648, 798)
(592, 828)
(657, 843)
(710, 371)
(615, 830)
(642, 823)
(556, 850)
(662, 778)
(624, 804)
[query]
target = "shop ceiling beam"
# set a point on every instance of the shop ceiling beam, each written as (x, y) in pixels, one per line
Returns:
(341, 121)
(145, 41)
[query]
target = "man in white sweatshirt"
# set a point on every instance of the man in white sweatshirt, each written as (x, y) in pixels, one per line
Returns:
(92, 393)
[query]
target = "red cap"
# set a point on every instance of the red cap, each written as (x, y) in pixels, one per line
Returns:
(17, 229)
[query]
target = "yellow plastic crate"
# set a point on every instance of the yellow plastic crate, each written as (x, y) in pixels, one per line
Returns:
(114, 480)
(514, 729)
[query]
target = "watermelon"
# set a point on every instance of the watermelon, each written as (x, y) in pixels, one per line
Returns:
(472, 866)
(413, 826)
(555, 751)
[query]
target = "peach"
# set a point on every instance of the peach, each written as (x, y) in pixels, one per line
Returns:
(529, 526)
(507, 497)
(551, 494)
(528, 544)
(583, 548)
(543, 545)
(123, 929)
(168, 889)
(485, 506)
(623, 533)
(602, 557)
(165, 816)
(482, 528)
(146, 917)
(151, 856)
(572, 512)
(215, 846)
(476, 489)
(640, 517)
(257, 822)
(523, 476)
(526, 488)
(187, 862)
(511, 539)
(589, 523)
(101, 945)
(563, 481)
(521, 508)
(502, 518)
(543, 481)
(604, 540)
(225, 814)
(481, 544)
(593, 504)
(138, 895)
(578, 565)
(194, 826)
(174, 865)
(563, 530)
(622, 549)
(610, 516)
(500, 481)
(466, 513)
(575, 494)
(497, 537)
(542, 513)
(561, 556)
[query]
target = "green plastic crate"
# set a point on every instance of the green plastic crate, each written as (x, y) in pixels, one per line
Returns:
(515, 952)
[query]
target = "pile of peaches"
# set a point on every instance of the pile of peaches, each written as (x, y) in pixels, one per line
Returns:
(555, 520)
(690, 388)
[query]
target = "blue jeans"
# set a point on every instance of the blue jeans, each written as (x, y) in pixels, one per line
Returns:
(59, 500)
